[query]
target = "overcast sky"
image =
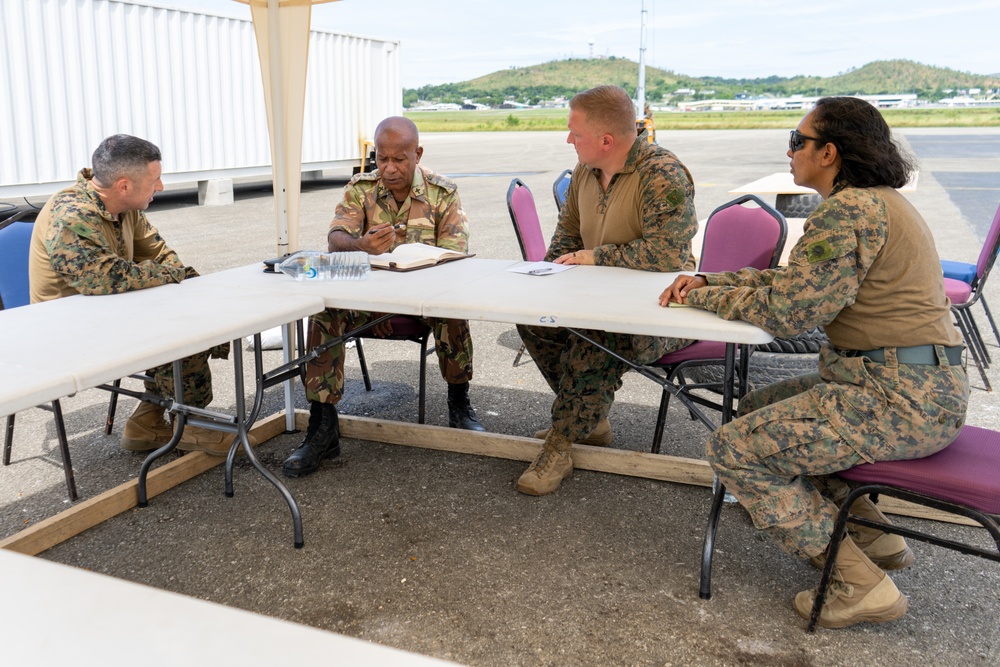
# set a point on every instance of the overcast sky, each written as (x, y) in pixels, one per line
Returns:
(445, 41)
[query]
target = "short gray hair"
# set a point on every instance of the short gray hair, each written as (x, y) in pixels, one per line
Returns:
(123, 155)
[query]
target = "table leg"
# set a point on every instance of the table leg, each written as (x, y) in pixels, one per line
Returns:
(241, 423)
(179, 421)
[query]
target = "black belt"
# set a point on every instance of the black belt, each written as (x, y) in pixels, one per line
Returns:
(921, 354)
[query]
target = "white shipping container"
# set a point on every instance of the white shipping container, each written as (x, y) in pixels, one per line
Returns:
(77, 71)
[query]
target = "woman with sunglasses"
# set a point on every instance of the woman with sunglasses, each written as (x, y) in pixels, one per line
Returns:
(891, 383)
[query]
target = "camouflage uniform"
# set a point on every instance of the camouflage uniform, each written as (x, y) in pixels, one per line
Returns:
(431, 214)
(863, 250)
(662, 221)
(77, 247)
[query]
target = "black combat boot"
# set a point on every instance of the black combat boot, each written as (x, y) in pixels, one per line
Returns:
(460, 412)
(322, 441)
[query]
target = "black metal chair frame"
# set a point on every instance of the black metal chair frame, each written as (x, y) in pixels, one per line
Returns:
(874, 490)
(422, 341)
(675, 372)
(974, 340)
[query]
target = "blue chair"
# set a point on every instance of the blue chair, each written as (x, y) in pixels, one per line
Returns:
(560, 187)
(15, 239)
(972, 274)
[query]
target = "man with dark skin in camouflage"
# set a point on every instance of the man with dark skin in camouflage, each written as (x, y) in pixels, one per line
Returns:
(890, 385)
(400, 202)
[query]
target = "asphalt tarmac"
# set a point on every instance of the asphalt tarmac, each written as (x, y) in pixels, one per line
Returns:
(436, 552)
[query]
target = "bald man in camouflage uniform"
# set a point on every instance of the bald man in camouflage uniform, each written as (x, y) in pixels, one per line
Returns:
(400, 202)
(630, 204)
(93, 238)
(890, 385)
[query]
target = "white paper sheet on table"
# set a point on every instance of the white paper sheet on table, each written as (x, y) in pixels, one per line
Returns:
(540, 268)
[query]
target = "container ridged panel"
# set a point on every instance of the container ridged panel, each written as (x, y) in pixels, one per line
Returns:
(78, 71)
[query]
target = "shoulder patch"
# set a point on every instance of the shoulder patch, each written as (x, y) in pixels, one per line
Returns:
(819, 251)
(675, 197)
(82, 229)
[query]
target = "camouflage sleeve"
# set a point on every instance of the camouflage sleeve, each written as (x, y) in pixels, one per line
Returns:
(669, 223)
(566, 238)
(149, 245)
(825, 270)
(451, 222)
(77, 252)
(350, 214)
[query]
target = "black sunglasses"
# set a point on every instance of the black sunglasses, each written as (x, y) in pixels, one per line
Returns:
(797, 140)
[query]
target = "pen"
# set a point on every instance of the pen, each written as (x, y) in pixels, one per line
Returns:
(538, 272)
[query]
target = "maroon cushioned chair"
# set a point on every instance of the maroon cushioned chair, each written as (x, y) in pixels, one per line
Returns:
(745, 232)
(964, 295)
(527, 227)
(963, 479)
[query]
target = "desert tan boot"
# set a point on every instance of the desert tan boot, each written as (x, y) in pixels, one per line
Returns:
(859, 592)
(601, 436)
(146, 429)
(216, 443)
(888, 551)
(552, 465)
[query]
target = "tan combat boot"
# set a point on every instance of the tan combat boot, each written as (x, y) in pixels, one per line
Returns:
(859, 592)
(552, 465)
(146, 429)
(216, 443)
(888, 551)
(601, 436)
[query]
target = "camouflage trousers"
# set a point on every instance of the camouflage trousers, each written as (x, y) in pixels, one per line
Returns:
(778, 458)
(325, 374)
(584, 377)
(196, 377)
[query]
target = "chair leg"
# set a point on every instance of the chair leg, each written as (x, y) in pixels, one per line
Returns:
(714, 516)
(112, 406)
(989, 316)
(661, 418)
(972, 347)
(423, 377)
(8, 440)
(839, 532)
(517, 357)
(364, 365)
(64, 448)
(974, 327)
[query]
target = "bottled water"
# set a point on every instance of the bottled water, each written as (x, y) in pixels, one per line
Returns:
(315, 265)
(349, 265)
(306, 265)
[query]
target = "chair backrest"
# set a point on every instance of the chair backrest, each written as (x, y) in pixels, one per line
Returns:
(559, 188)
(527, 227)
(15, 238)
(738, 236)
(988, 254)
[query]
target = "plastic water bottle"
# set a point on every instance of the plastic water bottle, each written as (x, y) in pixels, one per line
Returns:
(306, 265)
(349, 265)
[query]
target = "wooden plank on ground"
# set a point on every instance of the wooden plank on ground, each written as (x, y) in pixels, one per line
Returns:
(599, 459)
(89, 513)
(93, 511)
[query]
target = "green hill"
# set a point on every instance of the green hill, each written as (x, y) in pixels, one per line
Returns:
(563, 78)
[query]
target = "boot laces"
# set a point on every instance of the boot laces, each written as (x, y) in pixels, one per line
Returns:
(547, 460)
(837, 588)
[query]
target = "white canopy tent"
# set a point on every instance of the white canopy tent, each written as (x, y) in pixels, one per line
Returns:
(282, 30)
